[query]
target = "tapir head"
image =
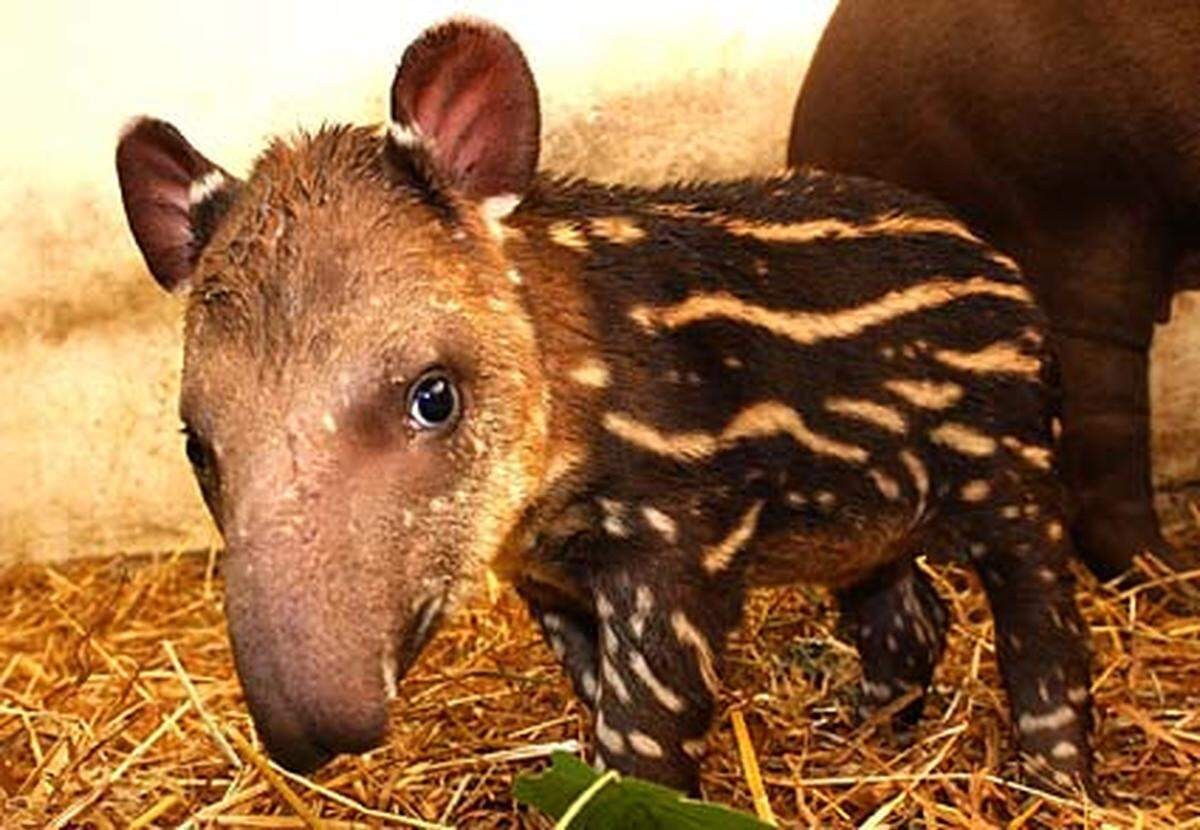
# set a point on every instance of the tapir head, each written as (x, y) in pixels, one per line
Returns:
(361, 397)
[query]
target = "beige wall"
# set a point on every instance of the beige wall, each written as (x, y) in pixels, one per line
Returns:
(90, 457)
(1175, 396)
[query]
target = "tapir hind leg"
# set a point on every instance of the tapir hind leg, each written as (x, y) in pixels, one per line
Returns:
(1017, 545)
(899, 625)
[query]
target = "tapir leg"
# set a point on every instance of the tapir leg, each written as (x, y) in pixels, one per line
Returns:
(1102, 280)
(661, 636)
(1017, 544)
(1106, 453)
(899, 625)
(571, 632)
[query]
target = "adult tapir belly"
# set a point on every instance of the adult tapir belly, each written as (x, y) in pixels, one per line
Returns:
(1069, 134)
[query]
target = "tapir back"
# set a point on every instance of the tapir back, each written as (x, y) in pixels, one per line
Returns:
(814, 350)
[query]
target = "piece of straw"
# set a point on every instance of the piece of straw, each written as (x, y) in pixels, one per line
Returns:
(762, 805)
(209, 724)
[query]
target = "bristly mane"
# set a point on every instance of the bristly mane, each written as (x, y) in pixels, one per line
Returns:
(340, 154)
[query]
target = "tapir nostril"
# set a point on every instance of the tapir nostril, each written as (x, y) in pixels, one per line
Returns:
(306, 751)
(352, 734)
(306, 708)
(298, 755)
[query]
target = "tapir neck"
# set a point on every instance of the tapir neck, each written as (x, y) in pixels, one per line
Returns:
(586, 257)
(576, 360)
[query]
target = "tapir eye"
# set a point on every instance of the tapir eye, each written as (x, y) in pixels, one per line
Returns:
(204, 465)
(198, 452)
(433, 400)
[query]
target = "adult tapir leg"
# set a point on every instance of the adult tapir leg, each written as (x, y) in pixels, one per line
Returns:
(1102, 283)
(1106, 452)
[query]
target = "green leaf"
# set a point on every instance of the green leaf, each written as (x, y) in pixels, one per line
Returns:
(628, 803)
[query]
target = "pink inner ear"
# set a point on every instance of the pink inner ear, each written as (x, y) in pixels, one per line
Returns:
(468, 89)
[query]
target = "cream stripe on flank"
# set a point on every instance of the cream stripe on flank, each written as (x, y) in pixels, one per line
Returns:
(888, 487)
(887, 225)
(926, 394)
(1036, 455)
(717, 557)
(807, 327)
(920, 477)
(871, 412)
(996, 358)
(963, 439)
(760, 420)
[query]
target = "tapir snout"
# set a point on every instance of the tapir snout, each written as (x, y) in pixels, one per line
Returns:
(320, 628)
(310, 701)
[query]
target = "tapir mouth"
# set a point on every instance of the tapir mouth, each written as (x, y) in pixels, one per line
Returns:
(400, 653)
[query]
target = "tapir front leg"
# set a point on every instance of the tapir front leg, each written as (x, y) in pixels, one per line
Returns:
(571, 632)
(661, 637)
(1106, 454)
(1103, 283)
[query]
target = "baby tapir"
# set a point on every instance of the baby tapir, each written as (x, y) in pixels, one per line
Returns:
(408, 357)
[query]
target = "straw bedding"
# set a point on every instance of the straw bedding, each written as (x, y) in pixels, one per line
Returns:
(119, 708)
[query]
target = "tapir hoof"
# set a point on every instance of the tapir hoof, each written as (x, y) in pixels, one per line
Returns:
(1108, 535)
(1110, 539)
(1079, 786)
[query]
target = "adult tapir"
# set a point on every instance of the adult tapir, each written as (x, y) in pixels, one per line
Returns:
(1069, 134)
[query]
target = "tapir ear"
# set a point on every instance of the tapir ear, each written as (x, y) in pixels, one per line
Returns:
(465, 92)
(174, 198)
